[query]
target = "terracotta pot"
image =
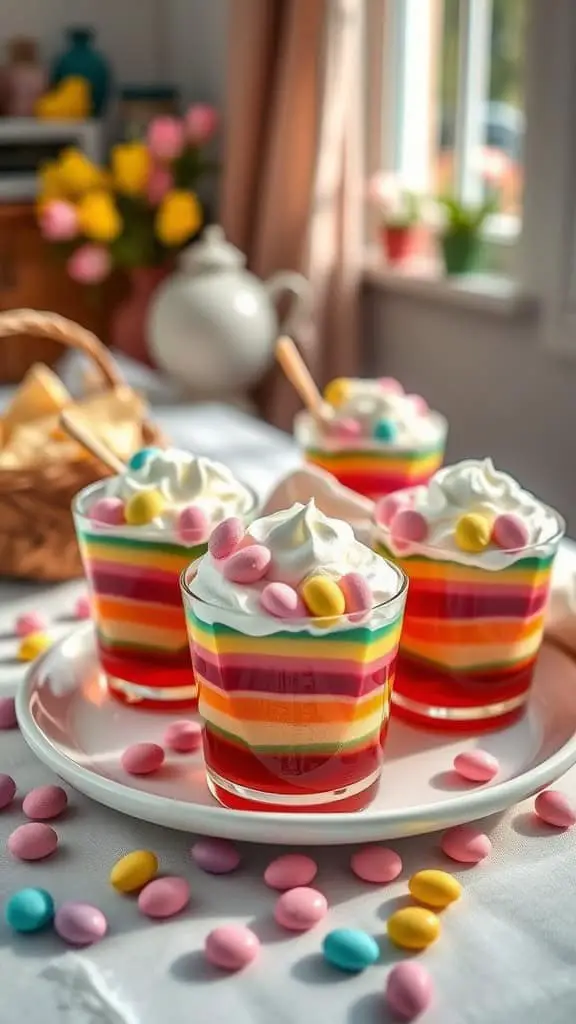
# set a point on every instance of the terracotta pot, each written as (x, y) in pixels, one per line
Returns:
(397, 242)
(129, 321)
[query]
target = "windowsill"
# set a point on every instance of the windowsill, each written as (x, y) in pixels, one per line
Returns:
(486, 293)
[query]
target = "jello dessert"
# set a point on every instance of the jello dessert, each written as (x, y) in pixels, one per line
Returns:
(478, 551)
(137, 531)
(373, 436)
(294, 628)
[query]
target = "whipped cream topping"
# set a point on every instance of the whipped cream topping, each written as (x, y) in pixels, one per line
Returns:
(475, 485)
(303, 542)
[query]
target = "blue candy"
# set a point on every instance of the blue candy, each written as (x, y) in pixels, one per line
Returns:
(350, 949)
(140, 457)
(28, 910)
(385, 430)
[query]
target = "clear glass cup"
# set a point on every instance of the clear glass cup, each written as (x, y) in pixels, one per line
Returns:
(292, 719)
(372, 468)
(471, 635)
(133, 574)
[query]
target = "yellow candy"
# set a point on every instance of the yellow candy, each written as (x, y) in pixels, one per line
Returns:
(435, 888)
(413, 928)
(142, 508)
(473, 532)
(337, 391)
(32, 646)
(322, 596)
(133, 871)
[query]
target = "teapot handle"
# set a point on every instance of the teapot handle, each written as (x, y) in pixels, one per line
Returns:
(300, 305)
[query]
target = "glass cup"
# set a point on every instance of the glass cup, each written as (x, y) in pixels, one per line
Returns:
(471, 635)
(376, 468)
(294, 720)
(133, 574)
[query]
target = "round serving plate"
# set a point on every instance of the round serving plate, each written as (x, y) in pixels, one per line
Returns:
(73, 725)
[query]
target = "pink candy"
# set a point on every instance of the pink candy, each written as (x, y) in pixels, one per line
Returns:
(164, 897)
(282, 601)
(408, 524)
(109, 511)
(555, 809)
(82, 609)
(300, 909)
(8, 718)
(142, 758)
(226, 537)
(80, 924)
(392, 385)
(193, 526)
(357, 595)
(33, 841)
(377, 864)
(216, 856)
(409, 990)
(419, 404)
(466, 844)
(7, 790)
(476, 765)
(30, 622)
(248, 565)
(387, 507)
(344, 430)
(183, 737)
(291, 870)
(510, 532)
(45, 803)
(231, 947)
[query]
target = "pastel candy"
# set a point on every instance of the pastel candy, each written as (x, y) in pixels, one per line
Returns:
(350, 949)
(142, 758)
(248, 565)
(29, 910)
(108, 511)
(322, 596)
(434, 888)
(357, 594)
(473, 532)
(183, 736)
(30, 622)
(413, 928)
(555, 809)
(82, 609)
(140, 457)
(133, 871)
(385, 430)
(337, 391)
(419, 404)
(80, 924)
(510, 532)
(391, 385)
(282, 601)
(231, 947)
(377, 864)
(33, 841)
(346, 429)
(164, 897)
(476, 765)
(408, 524)
(32, 646)
(290, 870)
(8, 718)
(45, 802)
(409, 990)
(466, 844)
(226, 537)
(7, 790)
(300, 909)
(216, 856)
(387, 507)
(193, 525)
(144, 507)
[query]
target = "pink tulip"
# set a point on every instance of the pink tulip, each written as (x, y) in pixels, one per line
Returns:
(89, 264)
(159, 183)
(165, 138)
(201, 123)
(59, 221)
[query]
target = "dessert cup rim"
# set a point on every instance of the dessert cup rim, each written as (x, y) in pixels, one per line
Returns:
(304, 419)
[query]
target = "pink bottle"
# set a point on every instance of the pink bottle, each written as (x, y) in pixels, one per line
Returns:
(24, 79)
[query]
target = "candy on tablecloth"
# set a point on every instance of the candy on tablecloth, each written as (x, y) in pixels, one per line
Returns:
(226, 537)
(142, 508)
(232, 947)
(108, 512)
(510, 532)
(192, 525)
(33, 841)
(466, 844)
(82, 609)
(377, 864)
(133, 871)
(183, 736)
(282, 601)
(7, 790)
(216, 856)
(45, 802)
(434, 888)
(409, 990)
(322, 596)
(8, 718)
(300, 909)
(413, 928)
(164, 897)
(142, 758)
(555, 809)
(350, 949)
(30, 622)
(248, 565)
(476, 765)
(80, 924)
(32, 646)
(290, 870)
(29, 910)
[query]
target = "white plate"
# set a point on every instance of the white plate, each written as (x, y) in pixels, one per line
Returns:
(74, 726)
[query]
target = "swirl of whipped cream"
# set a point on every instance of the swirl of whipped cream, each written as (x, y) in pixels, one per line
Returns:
(303, 542)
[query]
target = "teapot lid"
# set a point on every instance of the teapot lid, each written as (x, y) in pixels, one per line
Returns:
(211, 252)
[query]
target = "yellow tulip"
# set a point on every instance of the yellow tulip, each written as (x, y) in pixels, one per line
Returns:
(179, 216)
(51, 184)
(131, 168)
(77, 173)
(98, 217)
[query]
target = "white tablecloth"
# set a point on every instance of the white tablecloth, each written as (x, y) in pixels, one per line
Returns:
(508, 950)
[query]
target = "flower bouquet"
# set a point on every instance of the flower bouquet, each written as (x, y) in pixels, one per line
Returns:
(398, 213)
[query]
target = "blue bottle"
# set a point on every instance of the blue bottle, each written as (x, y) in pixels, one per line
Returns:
(81, 58)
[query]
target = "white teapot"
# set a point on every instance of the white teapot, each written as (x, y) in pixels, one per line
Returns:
(212, 324)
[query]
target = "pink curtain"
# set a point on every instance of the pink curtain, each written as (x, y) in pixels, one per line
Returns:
(292, 182)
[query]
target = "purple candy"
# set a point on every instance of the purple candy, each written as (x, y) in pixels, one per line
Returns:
(216, 856)
(80, 924)
(7, 790)
(8, 718)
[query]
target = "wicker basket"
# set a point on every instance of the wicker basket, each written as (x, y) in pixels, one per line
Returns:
(37, 538)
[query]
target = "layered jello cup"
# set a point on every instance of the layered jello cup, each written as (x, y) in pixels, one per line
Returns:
(375, 438)
(294, 638)
(478, 551)
(137, 532)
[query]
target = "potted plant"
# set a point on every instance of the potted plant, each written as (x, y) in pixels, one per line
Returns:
(134, 215)
(399, 212)
(461, 233)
